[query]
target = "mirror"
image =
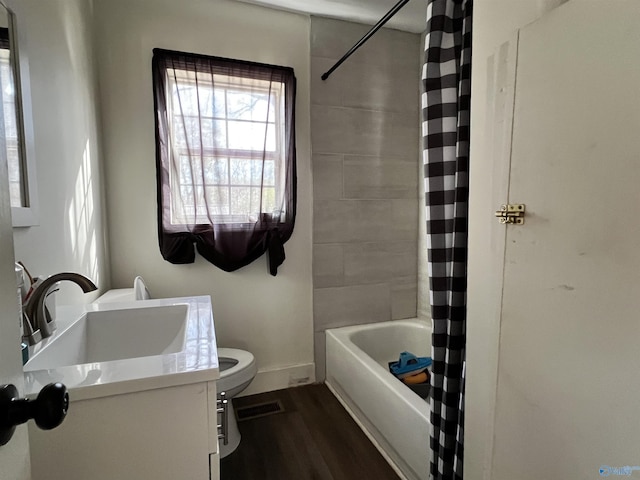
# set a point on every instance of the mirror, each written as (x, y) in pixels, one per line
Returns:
(16, 131)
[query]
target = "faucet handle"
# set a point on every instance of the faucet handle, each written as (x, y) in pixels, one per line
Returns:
(32, 335)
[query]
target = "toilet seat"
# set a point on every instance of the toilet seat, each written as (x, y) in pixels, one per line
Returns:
(242, 372)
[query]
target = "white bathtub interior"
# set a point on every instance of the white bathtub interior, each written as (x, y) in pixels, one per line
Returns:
(395, 337)
(393, 417)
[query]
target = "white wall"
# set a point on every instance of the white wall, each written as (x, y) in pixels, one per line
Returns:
(71, 234)
(493, 23)
(269, 316)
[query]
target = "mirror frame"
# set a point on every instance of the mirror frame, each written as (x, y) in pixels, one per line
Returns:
(27, 216)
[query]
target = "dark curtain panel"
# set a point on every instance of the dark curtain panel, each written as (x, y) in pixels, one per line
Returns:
(4, 38)
(445, 117)
(225, 159)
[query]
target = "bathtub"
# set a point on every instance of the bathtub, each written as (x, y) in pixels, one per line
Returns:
(395, 418)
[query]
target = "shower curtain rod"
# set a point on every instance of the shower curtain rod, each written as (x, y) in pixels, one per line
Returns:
(367, 36)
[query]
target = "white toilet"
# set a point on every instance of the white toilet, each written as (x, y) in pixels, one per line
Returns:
(138, 292)
(237, 369)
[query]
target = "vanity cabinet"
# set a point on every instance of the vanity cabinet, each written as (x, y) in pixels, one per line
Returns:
(161, 434)
(142, 384)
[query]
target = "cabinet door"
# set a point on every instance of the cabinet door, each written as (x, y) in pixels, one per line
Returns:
(159, 434)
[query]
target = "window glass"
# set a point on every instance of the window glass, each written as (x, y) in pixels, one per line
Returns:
(225, 131)
(10, 127)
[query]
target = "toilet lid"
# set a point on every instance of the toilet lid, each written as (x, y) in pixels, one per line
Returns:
(140, 289)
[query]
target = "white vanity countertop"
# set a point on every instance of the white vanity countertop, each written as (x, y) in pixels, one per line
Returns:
(197, 362)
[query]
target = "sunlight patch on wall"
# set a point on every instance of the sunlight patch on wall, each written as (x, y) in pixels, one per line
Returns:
(82, 219)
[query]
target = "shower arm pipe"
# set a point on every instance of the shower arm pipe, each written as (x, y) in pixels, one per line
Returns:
(367, 36)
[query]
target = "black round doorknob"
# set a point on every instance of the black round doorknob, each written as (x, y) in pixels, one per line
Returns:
(48, 410)
(50, 407)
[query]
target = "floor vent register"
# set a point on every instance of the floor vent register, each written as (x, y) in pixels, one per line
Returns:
(250, 412)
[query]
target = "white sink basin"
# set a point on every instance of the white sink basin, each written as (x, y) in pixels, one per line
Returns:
(103, 336)
(100, 350)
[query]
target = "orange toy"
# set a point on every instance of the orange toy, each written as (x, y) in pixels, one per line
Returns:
(415, 379)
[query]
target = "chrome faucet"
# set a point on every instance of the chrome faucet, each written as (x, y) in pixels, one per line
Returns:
(38, 321)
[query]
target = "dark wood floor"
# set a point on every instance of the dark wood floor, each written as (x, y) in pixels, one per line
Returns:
(313, 439)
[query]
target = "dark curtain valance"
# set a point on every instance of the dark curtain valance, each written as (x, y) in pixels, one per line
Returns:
(200, 155)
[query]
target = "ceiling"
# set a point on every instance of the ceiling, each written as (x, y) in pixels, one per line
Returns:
(411, 18)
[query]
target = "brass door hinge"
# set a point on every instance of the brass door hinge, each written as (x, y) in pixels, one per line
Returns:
(511, 214)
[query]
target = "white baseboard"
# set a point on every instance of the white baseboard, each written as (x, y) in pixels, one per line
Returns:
(282, 377)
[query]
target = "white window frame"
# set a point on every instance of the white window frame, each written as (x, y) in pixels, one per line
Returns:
(277, 156)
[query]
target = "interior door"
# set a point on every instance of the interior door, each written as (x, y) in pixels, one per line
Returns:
(568, 390)
(14, 456)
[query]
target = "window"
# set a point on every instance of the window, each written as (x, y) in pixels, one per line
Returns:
(16, 123)
(225, 158)
(234, 126)
(9, 127)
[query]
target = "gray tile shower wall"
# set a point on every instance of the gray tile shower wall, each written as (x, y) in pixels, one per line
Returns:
(365, 133)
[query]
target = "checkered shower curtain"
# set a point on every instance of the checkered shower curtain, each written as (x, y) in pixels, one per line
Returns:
(446, 95)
